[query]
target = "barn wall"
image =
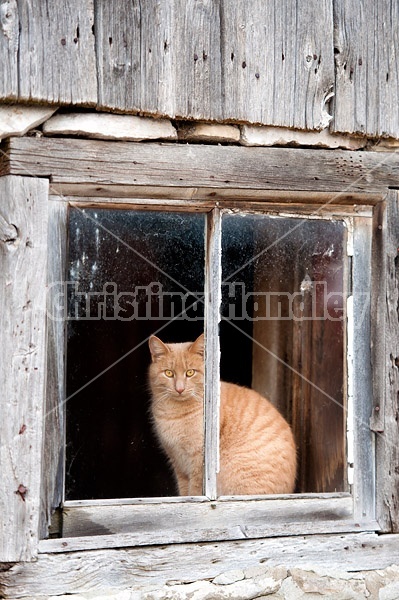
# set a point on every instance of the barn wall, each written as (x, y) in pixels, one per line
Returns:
(318, 65)
(259, 62)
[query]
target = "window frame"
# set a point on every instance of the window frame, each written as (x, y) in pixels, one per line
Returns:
(272, 197)
(208, 518)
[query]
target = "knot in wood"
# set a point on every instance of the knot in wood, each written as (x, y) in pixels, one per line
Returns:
(8, 232)
(22, 491)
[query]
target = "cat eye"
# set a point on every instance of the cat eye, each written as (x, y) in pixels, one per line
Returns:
(190, 372)
(169, 373)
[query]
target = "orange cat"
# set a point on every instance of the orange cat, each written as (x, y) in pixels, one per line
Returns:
(257, 448)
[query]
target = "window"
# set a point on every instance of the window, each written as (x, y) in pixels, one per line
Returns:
(290, 279)
(133, 273)
(279, 284)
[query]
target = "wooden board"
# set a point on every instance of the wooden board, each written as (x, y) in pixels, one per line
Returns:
(387, 441)
(160, 58)
(213, 280)
(366, 58)
(378, 300)
(9, 41)
(50, 52)
(277, 62)
(68, 161)
(118, 54)
(196, 38)
(121, 525)
(121, 569)
(23, 258)
(248, 61)
(359, 359)
(53, 465)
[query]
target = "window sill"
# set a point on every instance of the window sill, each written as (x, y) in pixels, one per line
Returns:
(91, 525)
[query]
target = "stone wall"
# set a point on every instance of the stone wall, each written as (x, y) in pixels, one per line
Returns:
(16, 120)
(19, 119)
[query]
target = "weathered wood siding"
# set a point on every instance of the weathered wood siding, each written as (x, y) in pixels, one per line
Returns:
(387, 439)
(256, 61)
(246, 61)
(249, 61)
(366, 54)
(23, 264)
(48, 50)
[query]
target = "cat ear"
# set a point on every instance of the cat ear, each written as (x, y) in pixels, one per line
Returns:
(157, 347)
(198, 346)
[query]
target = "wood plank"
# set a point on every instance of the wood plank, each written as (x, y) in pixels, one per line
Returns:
(160, 58)
(117, 26)
(387, 442)
(213, 283)
(378, 331)
(52, 481)
(9, 43)
(121, 163)
(355, 203)
(56, 59)
(210, 61)
(115, 526)
(121, 569)
(284, 77)
(367, 82)
(196, 39)
(156, 78)
(359, 357)
(23, 258)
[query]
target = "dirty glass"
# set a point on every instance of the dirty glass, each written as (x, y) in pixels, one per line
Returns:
(130, 274)
(283, 330)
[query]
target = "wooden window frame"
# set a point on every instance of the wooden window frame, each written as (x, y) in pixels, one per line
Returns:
(55, 172)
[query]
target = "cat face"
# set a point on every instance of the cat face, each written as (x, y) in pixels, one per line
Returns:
(177, 370)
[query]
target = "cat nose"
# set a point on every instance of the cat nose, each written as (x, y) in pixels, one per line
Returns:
(179, 388)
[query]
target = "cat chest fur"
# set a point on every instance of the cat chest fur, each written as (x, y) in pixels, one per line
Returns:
(180, 430)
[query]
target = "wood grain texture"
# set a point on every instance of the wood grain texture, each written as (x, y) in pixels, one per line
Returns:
(218, 167)
(256, 62)
(213, 279)
(366, 63)
(159, 58)
(359, 355)
(118, 53)
(387, 441)
(56, 56)
(197, 40)
(93, 571)
(22, 363)
(378, 296)
(277, 62)
(52, 479)
(115, 526)
(9, 42)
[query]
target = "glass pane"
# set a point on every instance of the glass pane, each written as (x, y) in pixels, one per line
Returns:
(131, 274)
(282, 334)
